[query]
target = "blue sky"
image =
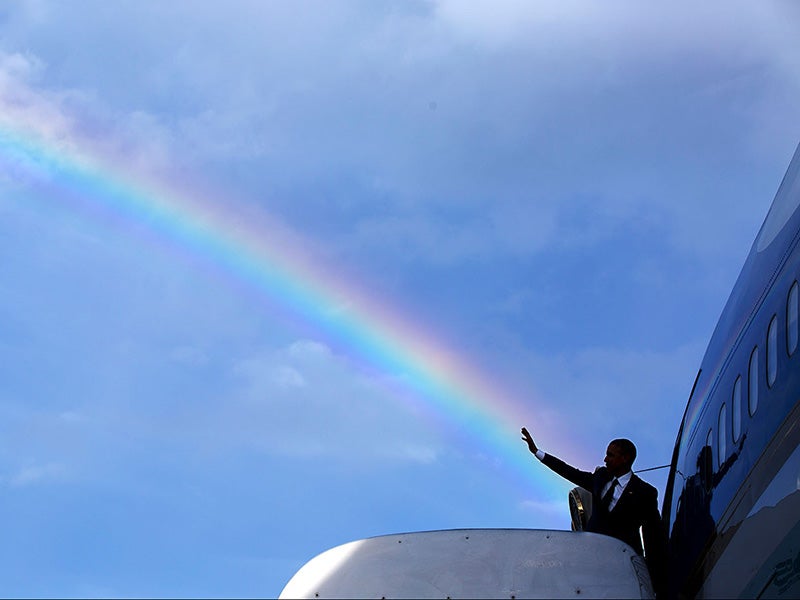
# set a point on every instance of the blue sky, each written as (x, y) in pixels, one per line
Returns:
(561, 194)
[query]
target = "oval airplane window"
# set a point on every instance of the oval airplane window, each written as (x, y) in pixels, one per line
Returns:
(706, 462)
(772, 351)
(791, 319)
(786, 201)
(752, 383)
(722, 435)
(736, 409)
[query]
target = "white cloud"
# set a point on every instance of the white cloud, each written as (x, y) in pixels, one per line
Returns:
(309, 350)
(288, 377)
(305, 401)
(290, 368)
(23, 109)
(490, 172)
(16, 67)
(614, 26)
(72, 122)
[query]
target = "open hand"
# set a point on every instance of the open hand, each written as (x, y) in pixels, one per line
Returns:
(526, 437)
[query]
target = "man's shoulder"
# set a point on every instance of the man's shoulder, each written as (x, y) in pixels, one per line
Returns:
(642, 485)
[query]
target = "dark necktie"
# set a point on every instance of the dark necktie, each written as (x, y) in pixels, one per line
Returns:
(605, 502)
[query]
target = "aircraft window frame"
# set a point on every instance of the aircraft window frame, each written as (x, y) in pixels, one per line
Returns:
(792, 314)
(708, 466)
(752, 382)
(772, 351)
(722, 436)
(736, 409)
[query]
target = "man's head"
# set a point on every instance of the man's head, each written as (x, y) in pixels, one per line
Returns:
(620, 455)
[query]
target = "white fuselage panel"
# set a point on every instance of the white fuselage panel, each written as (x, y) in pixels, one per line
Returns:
(475, 563)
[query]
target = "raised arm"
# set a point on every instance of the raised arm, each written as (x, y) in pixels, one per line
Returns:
(580, 478)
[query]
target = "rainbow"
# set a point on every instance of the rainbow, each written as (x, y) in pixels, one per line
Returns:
(269, 259)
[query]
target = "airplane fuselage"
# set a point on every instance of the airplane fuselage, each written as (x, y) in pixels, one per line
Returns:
(732, 505)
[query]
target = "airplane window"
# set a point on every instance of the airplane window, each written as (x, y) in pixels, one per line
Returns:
(707, 462)
(722, 435)
(736, 409)
(752, 388)
(772, 351)
(791, 319)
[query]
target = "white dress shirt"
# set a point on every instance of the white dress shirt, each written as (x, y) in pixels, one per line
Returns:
(623, 482)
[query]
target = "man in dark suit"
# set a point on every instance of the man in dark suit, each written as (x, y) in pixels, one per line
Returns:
(621, 502)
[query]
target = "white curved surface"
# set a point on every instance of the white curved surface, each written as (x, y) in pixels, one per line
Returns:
(475, 563)
(786, 201)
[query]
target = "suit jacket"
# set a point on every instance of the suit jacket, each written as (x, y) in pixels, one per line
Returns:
(637, 507)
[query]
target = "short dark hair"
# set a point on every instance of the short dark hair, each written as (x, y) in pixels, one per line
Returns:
(627, 447)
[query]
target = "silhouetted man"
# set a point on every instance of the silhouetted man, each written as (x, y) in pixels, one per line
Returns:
(621, 502)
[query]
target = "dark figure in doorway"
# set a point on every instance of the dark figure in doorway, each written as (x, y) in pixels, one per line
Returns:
(622, 503)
